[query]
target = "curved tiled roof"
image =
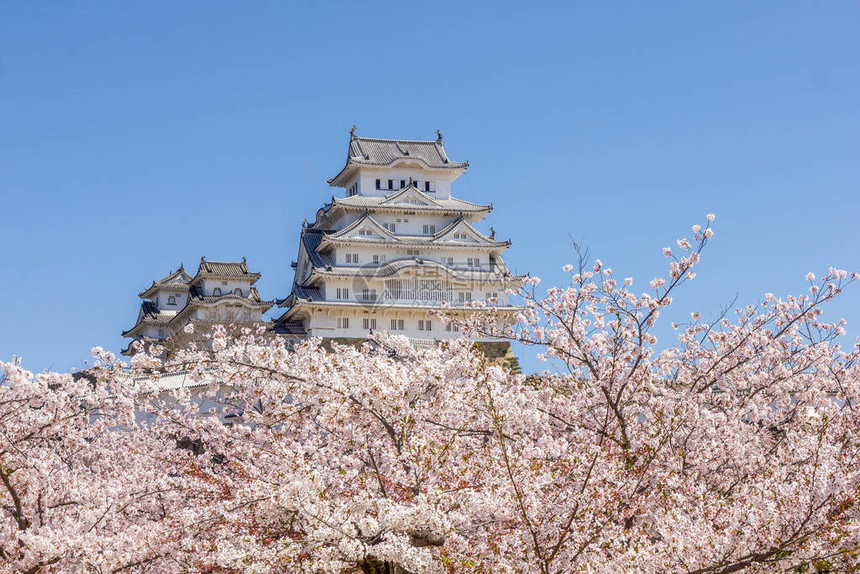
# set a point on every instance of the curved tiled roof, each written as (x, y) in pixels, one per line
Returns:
(178, 280)
(224, 269)
(392, 239)
(288, 328)
(150, 315)
(196, 295)
(384, 152)
(390, 202)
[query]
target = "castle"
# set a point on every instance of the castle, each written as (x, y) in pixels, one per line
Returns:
(396, 245)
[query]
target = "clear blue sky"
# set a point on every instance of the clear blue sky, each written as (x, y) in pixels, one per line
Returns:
(131, 141)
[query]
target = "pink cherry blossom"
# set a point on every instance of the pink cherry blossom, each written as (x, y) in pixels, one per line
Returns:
(735, 447)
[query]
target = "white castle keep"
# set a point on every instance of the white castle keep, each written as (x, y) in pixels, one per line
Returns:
(397, 245)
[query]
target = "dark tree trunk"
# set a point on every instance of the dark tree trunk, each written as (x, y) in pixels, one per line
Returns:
(373, 566)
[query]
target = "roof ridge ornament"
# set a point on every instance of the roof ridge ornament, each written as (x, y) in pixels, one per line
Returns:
(352, 131)
(438, 136)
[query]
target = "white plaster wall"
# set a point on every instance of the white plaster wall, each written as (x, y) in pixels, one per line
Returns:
(477, 290)
(226, 286)
(161, 296)
(228, 313)
(440, 180)
(393, 252)
(324, 324)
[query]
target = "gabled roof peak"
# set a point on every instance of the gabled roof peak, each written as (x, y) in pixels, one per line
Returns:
(178, 279)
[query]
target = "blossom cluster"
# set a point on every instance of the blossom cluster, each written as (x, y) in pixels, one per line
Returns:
(736, 448)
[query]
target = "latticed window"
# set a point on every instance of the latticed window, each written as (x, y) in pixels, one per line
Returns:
(418, 289)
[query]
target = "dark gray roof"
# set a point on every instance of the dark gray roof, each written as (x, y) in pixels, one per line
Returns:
(311, 238)
(150, 315)
(178, 279)
(289, 328)
(383, 152)
(306, 293)
(224, 269)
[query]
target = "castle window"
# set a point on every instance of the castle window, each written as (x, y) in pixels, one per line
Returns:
(402, 183)
(161, 333)
(378, 184)
(237, 291)
(343, 322)
(426, 186)
(449, 326)
(412, 252)
(424, 325)
(171, 300)
(429, 229)
(216, 292)
(390, 184)
(368, 323)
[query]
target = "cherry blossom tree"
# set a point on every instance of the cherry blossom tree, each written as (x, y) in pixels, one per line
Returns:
(77, 492)
(734, 448)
